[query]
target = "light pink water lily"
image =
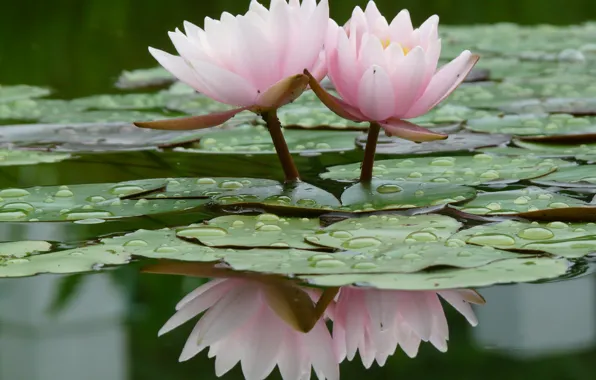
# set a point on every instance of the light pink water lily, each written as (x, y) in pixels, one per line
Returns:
(375, 322)
(385, 72)
(245, 321)
(253, 61)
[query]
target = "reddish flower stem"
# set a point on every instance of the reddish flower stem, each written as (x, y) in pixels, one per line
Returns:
(281, 147)
(366, 171)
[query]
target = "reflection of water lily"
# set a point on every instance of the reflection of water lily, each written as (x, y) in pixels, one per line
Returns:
(374, 322)
(246, 321)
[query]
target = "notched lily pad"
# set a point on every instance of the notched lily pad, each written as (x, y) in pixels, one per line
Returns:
(557, 238)
(394, 195)
(466, 170)
(265, 230)
(519, 202)
(369, 234)
(499, 272)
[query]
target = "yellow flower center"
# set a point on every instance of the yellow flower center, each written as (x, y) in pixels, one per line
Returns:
(386, 42)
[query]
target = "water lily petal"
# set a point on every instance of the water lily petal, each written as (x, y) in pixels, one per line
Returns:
(336, 105)
(408, 80)
(401, 28)
(283, 92)
(458, 302)
(376, 98)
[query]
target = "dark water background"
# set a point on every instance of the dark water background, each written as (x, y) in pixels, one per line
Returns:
(78, 47)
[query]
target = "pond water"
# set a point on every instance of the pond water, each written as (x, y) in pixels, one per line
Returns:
(523, 184)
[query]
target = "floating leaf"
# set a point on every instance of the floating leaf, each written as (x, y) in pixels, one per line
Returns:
(125, 101)
(467, 170)
(574, 106)
(557, 238)
(393, 195)
(103, 116)
(454, 143)
(37, 109)
(144, 78)
(394, 259)
(19, 92)
(535, 125)
(249, 139)
(20, 249)
(81, 202)
(578, 176)
(24, 157)
(499, 272)
(265, 230)
(369, 234)
(452, 114)
(518, 202)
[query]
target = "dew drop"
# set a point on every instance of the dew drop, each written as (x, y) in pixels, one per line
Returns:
(126, 190)
(341, 234)
(492, 239)
(411, 256)
(306, 202)
(231, 185)
(557, 225)
(365, 266)
(423, 236)
(269, 228)
(96, 199)
(89, 215)
(202, 232)
(21, 206)
(320, 257)
(13, 193)
(389, 189)
(166, 250)
(536, 233)
(237, 224)
(329, 264)
(280, 245)
(361, 242)
(558, 205)
(268, 218)
(7, 216)
(136, 243)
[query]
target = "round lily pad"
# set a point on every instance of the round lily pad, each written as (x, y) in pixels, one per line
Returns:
(499, 272)
(394, 195)
(369, 234)
(466, 170)
(395, 259)
(80, 202)
(265, 230)
(515, 202)
(454, 143)
(535, 125)
(557, 238)
(578, 176)
(250, 139)
(24, 157)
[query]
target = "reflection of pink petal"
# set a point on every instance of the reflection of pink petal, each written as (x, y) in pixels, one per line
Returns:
(338, 106)
(192, 122)
(410, 131)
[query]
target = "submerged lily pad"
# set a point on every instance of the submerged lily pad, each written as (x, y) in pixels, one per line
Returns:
(467, 170)
(556, 238)
(249, 139)
(80, 202)
(499, 272)
(24, 157)
(265, 230)
(369, 234)
(518, 202)
(18, 92)
(535, 125)
(578, 176)
(394, 259)
(454, 143)
(393, 195)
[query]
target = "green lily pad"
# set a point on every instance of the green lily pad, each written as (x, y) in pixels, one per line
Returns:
(18, 249)
(574, 106)
(81, 202)
(514, 202)
(394, 195)
(135, 79)
(535, 125)
(249, 139)
(37, 109)
(125, 102)
(395, 259)
(499, 272)
(545, 149)
(102, 116)
(454, 143)
(19, 92)
(450, 113)
(265, 230)
(24, 157)
(556, 238)
(577, 176)
(515, 151)
(375, 232)
(93, 136)
(466, 170)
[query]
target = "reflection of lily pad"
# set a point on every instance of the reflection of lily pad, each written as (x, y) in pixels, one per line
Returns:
(80, 202)
(535, 125)
(24, 157)
(467, 170)
(265, 230)
(393, 195)
(557, 238)
(250, 139)
(499, 272)
(395, 259)
(518, 201)
(369, 234)
(454, 143)
(578, 176)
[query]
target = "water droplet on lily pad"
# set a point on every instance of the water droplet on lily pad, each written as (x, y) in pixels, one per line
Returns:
(269, 228)
(365, 266)
(231, 185)
(64, 193)
(7, 216)
(202, 231)
(361, 242)
(88, 215)
(389, 189)
(126, 190)
(341, 234)
(536, 233)
(206, 181)
(136, 243)
(268, 218)
(329, 264)
(13, 193)
(423, 236)
(492, 239)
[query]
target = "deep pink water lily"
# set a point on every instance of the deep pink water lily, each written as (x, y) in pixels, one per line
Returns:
(245, 321)
(375, 322)
(386, 72)
(253, 61)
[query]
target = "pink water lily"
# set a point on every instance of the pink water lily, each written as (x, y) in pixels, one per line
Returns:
(246, 321)
(387, 72)
(375, 322)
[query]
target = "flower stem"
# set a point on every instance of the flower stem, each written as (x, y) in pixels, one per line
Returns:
(283, 153)
(369, 153)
